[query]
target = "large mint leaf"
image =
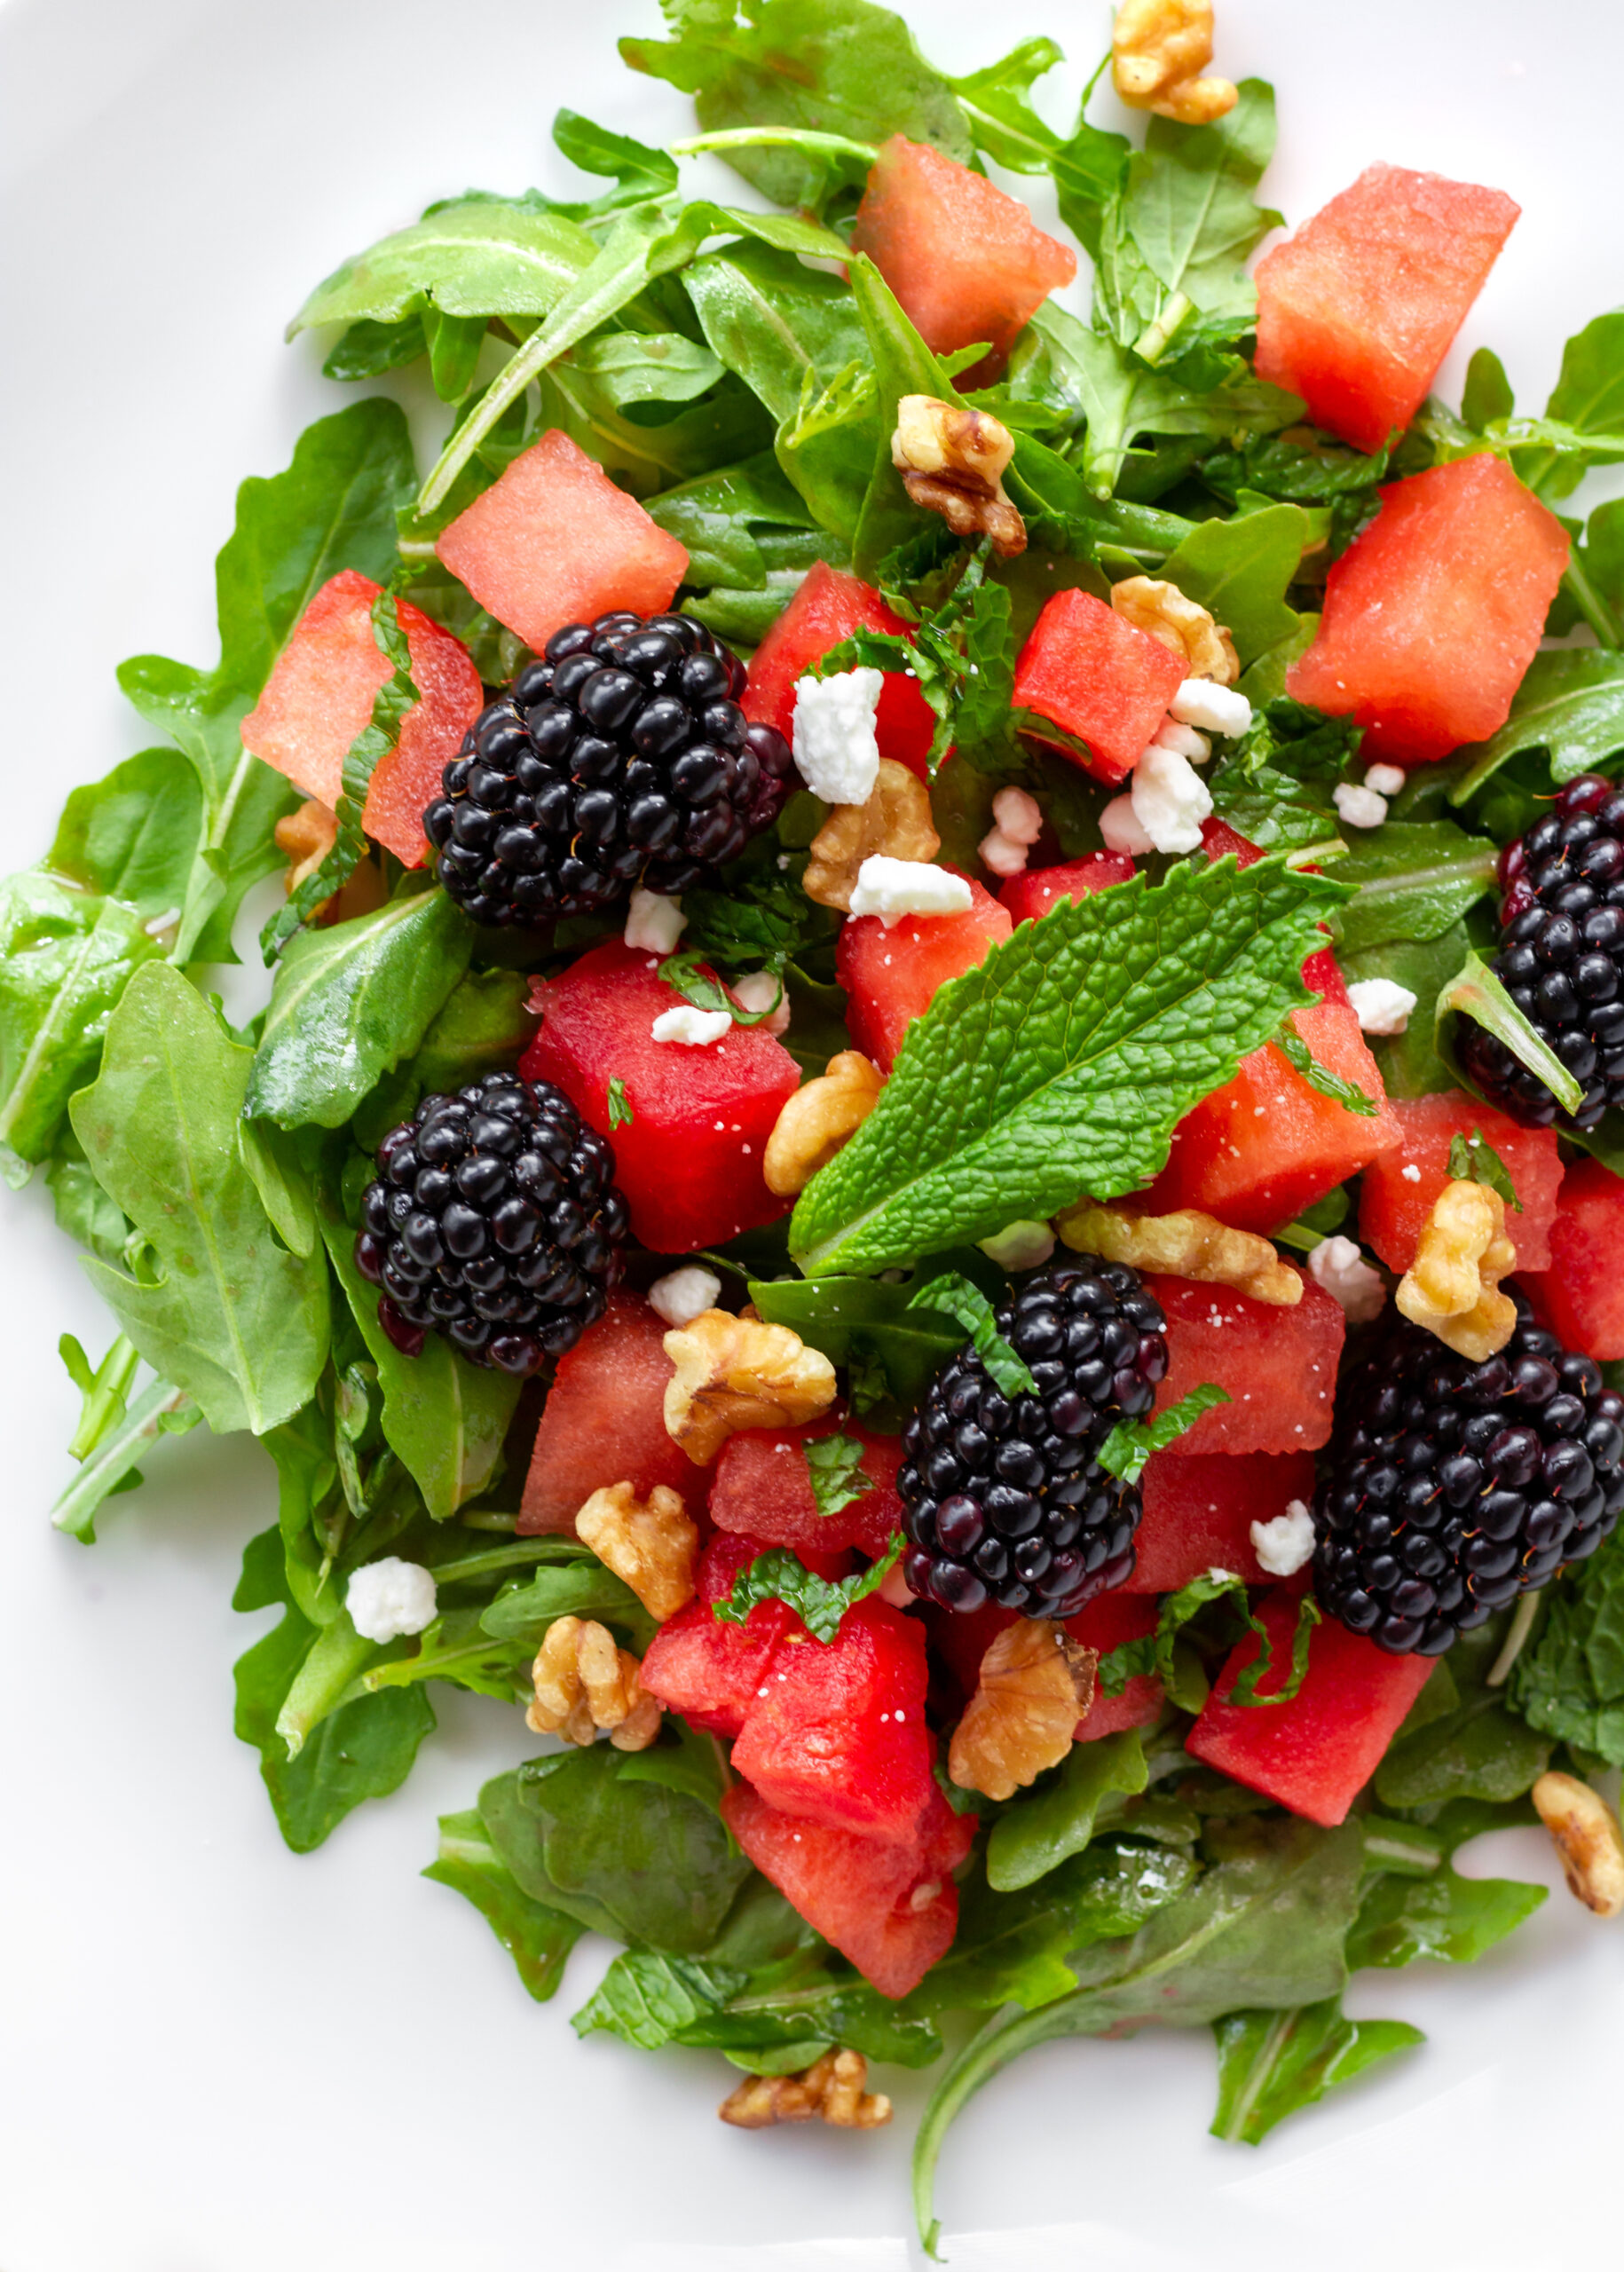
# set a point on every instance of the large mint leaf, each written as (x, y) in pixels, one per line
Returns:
(1570, 1681)
(1063, 1063)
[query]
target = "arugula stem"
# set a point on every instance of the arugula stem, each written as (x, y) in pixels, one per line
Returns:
(75, 1510)
(1154, 342)
(503, 1558)
(1517, 1634)
(1590, 605)
(108, 1393)
(775, 137)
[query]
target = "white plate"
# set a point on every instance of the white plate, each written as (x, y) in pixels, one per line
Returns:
(217, 2057)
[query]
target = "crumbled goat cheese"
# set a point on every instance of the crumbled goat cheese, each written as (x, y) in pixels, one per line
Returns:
(1381, 1004)
(1019, 824)
(1215, 709)
(683, 1295)
(1411, 1174)
(1358, 807)
(1283, 1545)
(891, 888)
(389, 1598)
(1338, 1266)
(1020, 1246)
(757, 992)
(653, 922)
(1183, 739)
(693, 1027)
(1119, 824)
(1386, 780)
(836, 752)
(1171, 800)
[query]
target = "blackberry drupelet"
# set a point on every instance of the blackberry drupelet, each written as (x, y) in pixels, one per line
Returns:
(1561, 956)
(1003, 1496)
(620, 757)
(495, 1221)
(1454, 1486)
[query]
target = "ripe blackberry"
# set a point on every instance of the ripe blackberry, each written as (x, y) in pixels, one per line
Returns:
(1561, 956)
(1003, 1497)
(619, 757)
(1455, 1487)
(495, 1221)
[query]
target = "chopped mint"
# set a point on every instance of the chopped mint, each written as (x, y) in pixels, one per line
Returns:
(620, 1113)
(1302, 1059)
(686, 972)
(834, 1464)
(821, 1603)
(1126, 1451)
(1473, 1159)
(1156, 1653)
(953, 1293)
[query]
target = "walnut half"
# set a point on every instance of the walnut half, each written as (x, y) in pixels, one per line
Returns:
(1452, 1286)
(1036, 1683)
(952, 462)
(1586, 1832)
(895, 821)
(1187, 1244)
(582, 1682)
(831, 2090)
(650, 1544)
(1168, 614)
(822, 1116)
(735, 1372)
(1159, 50)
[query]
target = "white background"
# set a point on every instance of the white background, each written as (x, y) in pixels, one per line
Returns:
(216, 2056)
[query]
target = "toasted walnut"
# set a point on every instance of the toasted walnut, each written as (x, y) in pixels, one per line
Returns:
(735, 1372)
(1035, 1685)
(821, 1117)
(1159, 50)
(829, 2091)
(1586, 1833)
(650, 1543)
(306, 836)
(1452, 1286)
(952, 463)
(1182, 624)
(1188, 1244)
(583, 1683)
(895, 821)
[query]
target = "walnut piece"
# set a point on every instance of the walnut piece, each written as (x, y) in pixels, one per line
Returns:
(1159, 50)
(1180, 623)
(822, 1116)
(1452, 1286)
(1036, 1683)
(895, 821)
(306, 836)
(735, 1372)
(1188, 1244)
(829, 2091)
(952, 463)
(1586, 1832)
(583, 1681)
(650, 1543)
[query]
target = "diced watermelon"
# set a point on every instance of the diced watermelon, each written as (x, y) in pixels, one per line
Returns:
(1581, 1294)
(760, 1484)
(1356, 312)
(1029, 896)
(710, 1671)
(1435, 611)
(891, 1908)
(965, 261)
(841, 1735)
(605, 1422)
(890, 975)
(827, 609)
(1200, 1509)
(1099, 678)
(1219, 841)
(319, 697)
(690, 1160)
(554, 542)
(1316, 1754)
(1279, 1366)
(1109, 1623)
(1400, 1187)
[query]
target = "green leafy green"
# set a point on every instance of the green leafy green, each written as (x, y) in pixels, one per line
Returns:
(648, 1999)
(1273, 2062)
(1569, 1682)
(1570, 706)
(779, 325)
(1126, 1451)
(821, 1603)
(472, 257)
(1036, 1834)
(1428, 1908)
(538, 1939)
(1239, 571)
(953, 1294)
(160, 1409)
(834, 1468)
(522, 1612)
(131, 836)
(1414, 878)
(1476, 993)
(862, 1320)
(1410, 1061)
(1479, 1749)
(1156, 1653)
(1474, 1160)
(1302, 1059)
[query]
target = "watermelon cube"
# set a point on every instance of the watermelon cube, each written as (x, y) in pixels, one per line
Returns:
(761, 1485)
(827, 609)
(690, 1160)
(554, 542)
(1108, 1623)
(965, 261)
(1400, 1187)
(1278, 1366)
(1581, 1294)
(709, 1671)
(319, 696)
(605, 1422)
(1316, 1754)
(1098, 678)
(1356, 312)
(1435, 611)
(1198, 1512)
(890, 975)
(1029, 896)
(1219, 841)
(891, 1908)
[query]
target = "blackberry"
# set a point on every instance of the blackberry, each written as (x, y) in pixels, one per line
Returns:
(1003, 1497)
(1561, 956)
(619, 757)
(1454, 1486)
(495, 1221)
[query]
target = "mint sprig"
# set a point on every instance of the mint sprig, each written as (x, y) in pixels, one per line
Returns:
(1126, 1451)
(1154, 1653)
(687, 973)
(953, 1293)
(820, 1603)
(834, 1466)
(621, 1112)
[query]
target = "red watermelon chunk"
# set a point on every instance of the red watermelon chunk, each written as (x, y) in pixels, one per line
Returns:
(698, 1664)
(1198, 1512)
(1219, 841)
(1279, 1366)
(965, 261)
(1394, 1206)
(1356, 312)
(319, 697)
(1029, 896)
(554, 542)
(827, 609)
(1108, 1623)
(1435, 611)
(1316, 1754)
(1099, 678)
(1581, 1294)
(891, 1908)
(605, 1422)
(761, 1485)
(890, 975)
(690, 1160)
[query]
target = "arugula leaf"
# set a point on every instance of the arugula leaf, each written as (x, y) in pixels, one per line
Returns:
(820, 1603)
(1476, 993)
(775, 321)
(1588, 400)
(1271, 2062)
(83, 1208)
(160, 1409)
(1474, 1160)
(952, 1293)
(1296, 468)
(1037, 1834)
(1240, 570)
(522, 1612)
(902, 364)
(637, 170)
(1410, 1064)
(1126, 1451)
(647, 1998)
(478, 257)
(130, 835)
(1569, 1682)
(1569, 705)
(1414, 878)
(834, 1468)
(1064, 1060)
(856, 1321)
(1155, 1653)
(740, 523)
(1478, 1750)
(1427, 1909)
(538, 1939)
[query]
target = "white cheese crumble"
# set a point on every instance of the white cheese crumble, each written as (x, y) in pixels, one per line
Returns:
(683, 1295)
(1171, 800)
(1381, 1004)
(757, 992)
(1185, 739)
(1360, 808)
(1020, 1246)
(1119, 824)
(653, 923)
(1338, 1266)
(837, 753)
(1411, 1174)
(693, 1028)
(1286, 1542)
(1386, 780)
(389, 1598)
(1018, 824)
(891, 888)
(1215, 709)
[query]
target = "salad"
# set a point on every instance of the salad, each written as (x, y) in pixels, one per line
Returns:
(936, 1139)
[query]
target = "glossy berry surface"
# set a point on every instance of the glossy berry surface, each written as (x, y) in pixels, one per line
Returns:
(1453, 1487)
(619, 757)
(494, 1221)
(1003, 1497)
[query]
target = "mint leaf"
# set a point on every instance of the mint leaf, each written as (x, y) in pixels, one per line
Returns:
(1569, 1681)
(1301, 1059)
(1126, 1451)
(1473, 1160)
(821, 1603)
(834, 1465)
(1154, 1653)
(954, 1294)
(1063, 1063)
(620, 1113)
(695, 984)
